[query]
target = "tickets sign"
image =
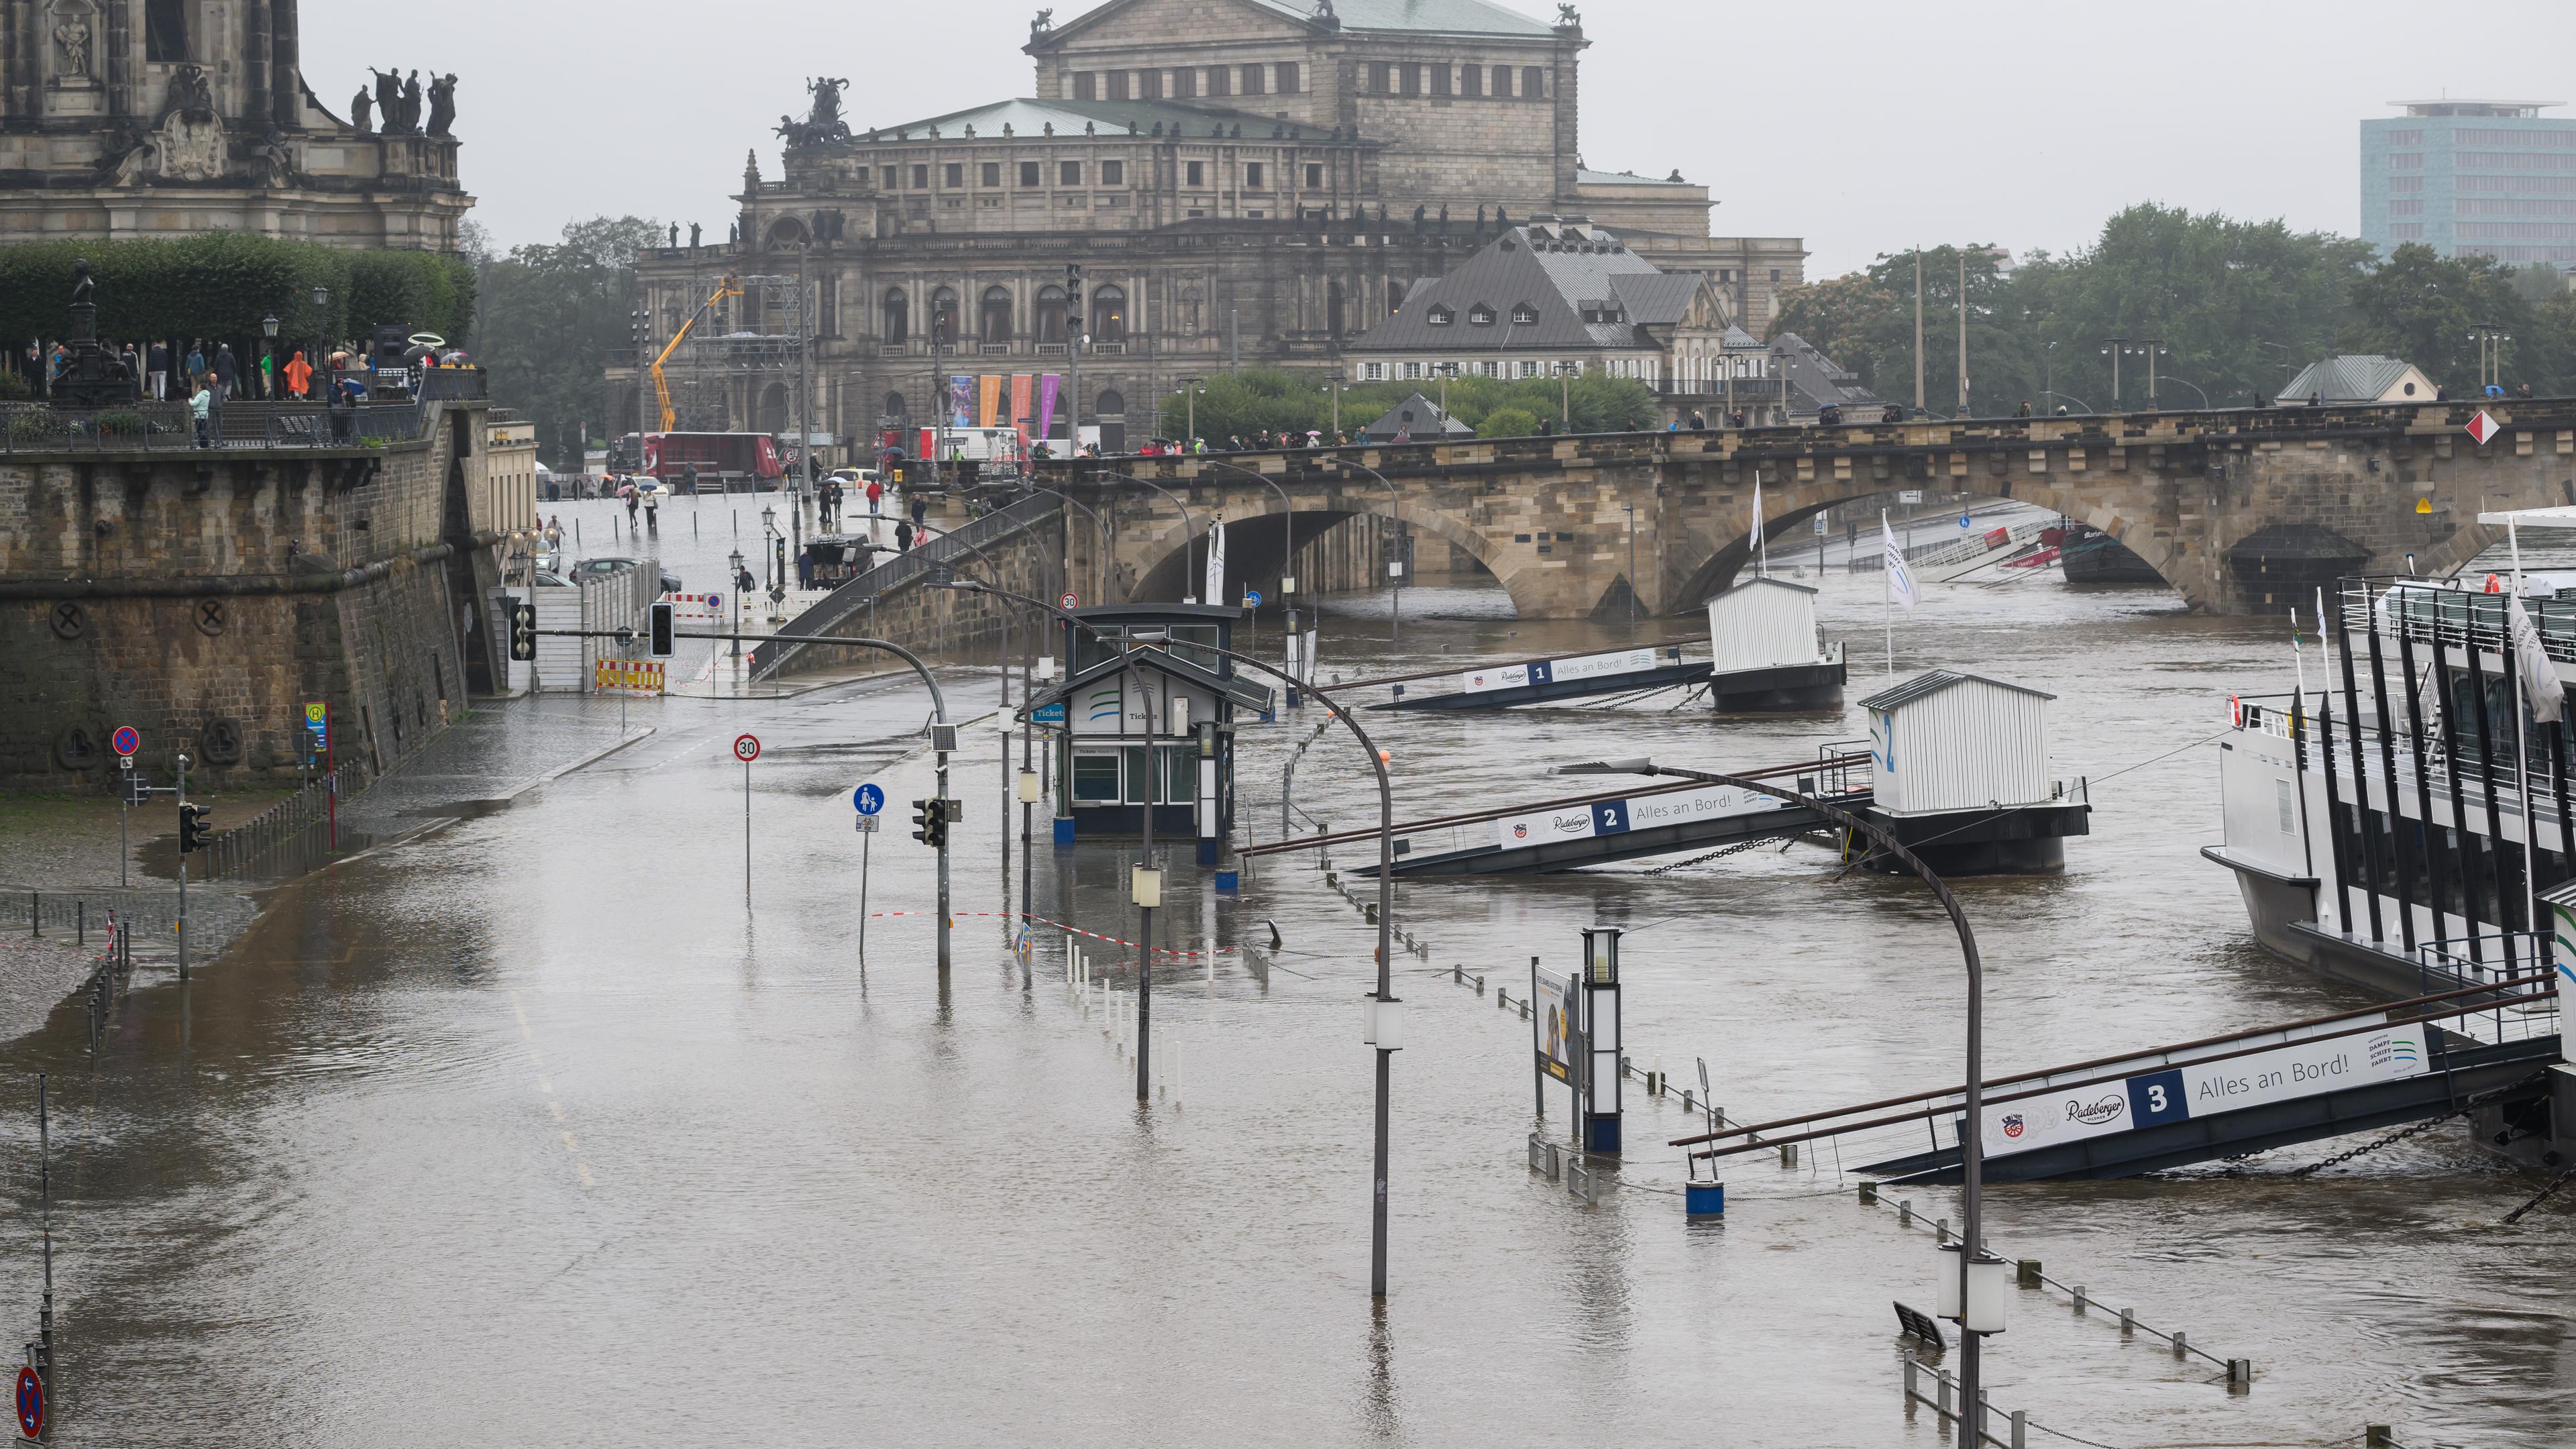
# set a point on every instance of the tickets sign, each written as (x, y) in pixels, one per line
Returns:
(2203, 1089)
(1547, 671)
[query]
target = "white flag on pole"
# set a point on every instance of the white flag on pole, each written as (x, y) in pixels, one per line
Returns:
(1756, 546)
(1215, 563)
(2540, 686)
(1900, 579)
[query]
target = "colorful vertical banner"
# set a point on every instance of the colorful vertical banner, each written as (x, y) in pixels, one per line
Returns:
(961, 397)
(988, 407)
(1048, 383)
(1021, 385)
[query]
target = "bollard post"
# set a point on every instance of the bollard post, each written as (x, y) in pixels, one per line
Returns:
(80, 922)
(1905, 1212)
(1942, 1228)
(1869, 1194)
(2373, 1436)
(1788, 1154)
(2026, 1273)
(1911, 1393)
(2079, 1297)
(2128, 1321)
(1686, 1100)
(2240, 1370)
(35, 916)
(1480, 986)
(2180, 1348)
(1941, 1381)
(2021, 1429)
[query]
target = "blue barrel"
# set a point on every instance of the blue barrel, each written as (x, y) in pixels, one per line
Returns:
(1704, 1199)
(1064, 830)
(1229, 880)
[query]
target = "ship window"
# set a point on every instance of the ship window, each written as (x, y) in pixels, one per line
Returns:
(2288, 808)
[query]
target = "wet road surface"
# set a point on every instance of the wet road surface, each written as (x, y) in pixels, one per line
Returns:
(528, 1131)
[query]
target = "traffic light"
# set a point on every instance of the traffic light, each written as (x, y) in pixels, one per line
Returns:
(194, 833)
(930, 822)
(1072, 300)
(523, 632)
(663, 632)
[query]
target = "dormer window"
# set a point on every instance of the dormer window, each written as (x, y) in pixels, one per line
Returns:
(1524, 315)
(1440, 317)
(1480, 315)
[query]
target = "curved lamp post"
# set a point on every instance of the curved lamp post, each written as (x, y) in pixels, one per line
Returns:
(1188, 519)
(1972, 1137)
(1385, 901)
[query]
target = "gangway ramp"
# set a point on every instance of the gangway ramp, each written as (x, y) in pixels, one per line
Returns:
(1545, 836)
(2198, 1101)
(1544, 681)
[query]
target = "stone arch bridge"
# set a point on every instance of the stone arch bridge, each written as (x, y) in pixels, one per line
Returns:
(2239, 510)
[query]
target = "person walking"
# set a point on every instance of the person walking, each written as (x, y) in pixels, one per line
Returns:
(876, 497)
(633, 500)
(160, 361)
(653, 514)
(201, 413)
(902, 536)
(227, 373)
(920, 508)
(196, 367)
(299, 376)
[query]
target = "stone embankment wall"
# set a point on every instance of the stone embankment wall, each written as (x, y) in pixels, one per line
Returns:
(205, 597)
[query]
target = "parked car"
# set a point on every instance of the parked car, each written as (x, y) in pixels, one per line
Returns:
(592, 568)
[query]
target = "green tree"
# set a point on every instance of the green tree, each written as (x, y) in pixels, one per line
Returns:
(2420, 306)
(1865, 322)
(1508, 422)
(554, 318)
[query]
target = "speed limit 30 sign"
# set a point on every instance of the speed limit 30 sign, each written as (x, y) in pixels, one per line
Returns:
(746, 748)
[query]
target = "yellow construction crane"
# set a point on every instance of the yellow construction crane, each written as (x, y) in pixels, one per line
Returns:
(731, 286)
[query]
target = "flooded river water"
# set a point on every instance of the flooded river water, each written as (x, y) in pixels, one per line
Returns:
(529, 1132)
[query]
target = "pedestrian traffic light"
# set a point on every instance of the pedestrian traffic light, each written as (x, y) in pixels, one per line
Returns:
(523, 632)
(194, 833)
(663, 633)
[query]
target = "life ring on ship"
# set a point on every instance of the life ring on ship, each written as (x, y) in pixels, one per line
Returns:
(2494, 587)
(2235, 712)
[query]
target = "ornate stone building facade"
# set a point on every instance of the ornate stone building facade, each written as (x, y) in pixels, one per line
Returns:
(1240, 181)
(145, 118)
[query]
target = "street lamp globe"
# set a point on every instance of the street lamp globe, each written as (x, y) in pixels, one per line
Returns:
(769, 519)
(735, 560)
(321, 298)
(268, 327)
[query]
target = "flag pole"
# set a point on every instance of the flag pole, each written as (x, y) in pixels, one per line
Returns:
(2521, 744)
(1761, 544)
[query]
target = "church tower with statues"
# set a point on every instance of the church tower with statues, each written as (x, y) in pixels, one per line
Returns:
(163, 118)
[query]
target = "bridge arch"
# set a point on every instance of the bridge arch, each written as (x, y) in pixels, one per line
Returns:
(1714, 564)
(1257, 537)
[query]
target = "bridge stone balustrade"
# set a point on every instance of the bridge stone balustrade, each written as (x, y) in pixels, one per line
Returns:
(2241, 511)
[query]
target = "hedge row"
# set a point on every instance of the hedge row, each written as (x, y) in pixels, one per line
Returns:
(222, 284)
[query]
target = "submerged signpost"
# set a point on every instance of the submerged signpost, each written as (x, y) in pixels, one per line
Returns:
(869, 800)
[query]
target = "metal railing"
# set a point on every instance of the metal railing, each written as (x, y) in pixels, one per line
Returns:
(827, 614)
(151, 427)
(2438, 613)
(246, 848)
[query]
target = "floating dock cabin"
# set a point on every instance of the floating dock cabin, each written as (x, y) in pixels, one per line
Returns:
(1164, 727)
(1961, 776)
(1765, 653)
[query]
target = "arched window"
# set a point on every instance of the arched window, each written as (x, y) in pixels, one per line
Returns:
(1109, 402)
(1333, 310)
(1050, 319)
(894, 405)
(896, 325)
(773, 408)
(943, 316)
(1108, 316)
(996, 314)
(785, 233)
(1394, 296)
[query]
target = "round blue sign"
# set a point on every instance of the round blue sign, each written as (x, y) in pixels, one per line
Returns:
(1963, 520)
(868, 798)
(716, 601)
(1252, 598)
(126, 740)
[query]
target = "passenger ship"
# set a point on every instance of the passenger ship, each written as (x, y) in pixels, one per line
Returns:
(2403, 824)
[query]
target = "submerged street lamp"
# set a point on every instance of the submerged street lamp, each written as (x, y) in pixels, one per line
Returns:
(734, 579)
(1980, 1310)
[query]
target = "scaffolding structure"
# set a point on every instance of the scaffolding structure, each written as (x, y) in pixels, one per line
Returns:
(738, 350)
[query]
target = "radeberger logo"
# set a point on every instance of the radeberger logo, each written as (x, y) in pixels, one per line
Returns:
(2094, 1114)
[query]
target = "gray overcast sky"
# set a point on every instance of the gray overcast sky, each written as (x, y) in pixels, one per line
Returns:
(1863, 128)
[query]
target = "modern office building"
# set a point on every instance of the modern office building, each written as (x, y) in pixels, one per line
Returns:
(2472, 178)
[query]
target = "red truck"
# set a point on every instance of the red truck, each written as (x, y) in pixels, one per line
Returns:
(720, 462)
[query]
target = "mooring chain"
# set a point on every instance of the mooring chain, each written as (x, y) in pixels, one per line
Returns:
(1741, 845)
(2539, 1197)
(2465, 1107)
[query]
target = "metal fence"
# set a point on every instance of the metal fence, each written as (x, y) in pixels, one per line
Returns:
(835, 608)
(282, 829)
